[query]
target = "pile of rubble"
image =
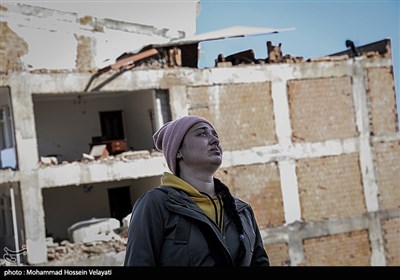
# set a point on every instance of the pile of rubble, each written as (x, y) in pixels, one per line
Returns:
(97, 253)
(66, 251)
(89, 241)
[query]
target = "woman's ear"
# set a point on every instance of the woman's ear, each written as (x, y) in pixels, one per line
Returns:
(179, 154)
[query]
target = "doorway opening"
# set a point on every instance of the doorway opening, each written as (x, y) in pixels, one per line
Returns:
(112, 125)
(120, 202)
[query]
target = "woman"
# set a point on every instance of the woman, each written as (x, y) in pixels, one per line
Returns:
(192, 218)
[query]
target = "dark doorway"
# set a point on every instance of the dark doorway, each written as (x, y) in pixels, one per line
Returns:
(120, 202)
(111, 125)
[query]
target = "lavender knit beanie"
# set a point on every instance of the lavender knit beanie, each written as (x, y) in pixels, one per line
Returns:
(169, 137)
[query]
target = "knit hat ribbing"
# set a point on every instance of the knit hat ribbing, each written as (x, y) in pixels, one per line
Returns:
(169, 137)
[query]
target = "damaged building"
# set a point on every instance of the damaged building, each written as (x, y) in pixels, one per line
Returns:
(313, 144)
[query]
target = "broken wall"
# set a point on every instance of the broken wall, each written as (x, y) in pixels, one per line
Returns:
(79, 42)
(37, 40)
(316, 148)
(321, 178)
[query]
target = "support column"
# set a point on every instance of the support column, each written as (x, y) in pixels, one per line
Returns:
(287, 168)
(27, 155)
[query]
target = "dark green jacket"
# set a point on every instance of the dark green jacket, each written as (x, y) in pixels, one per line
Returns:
(168, 229)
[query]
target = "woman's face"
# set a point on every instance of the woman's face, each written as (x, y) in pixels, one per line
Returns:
(201, 147)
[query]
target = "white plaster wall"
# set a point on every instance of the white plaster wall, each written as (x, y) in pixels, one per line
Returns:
(65, 126)
(50, 34)
(175, 15)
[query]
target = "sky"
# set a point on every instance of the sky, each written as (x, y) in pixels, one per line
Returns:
(320, 27)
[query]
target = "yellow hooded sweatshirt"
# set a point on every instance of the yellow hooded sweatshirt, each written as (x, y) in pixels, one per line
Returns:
(213, 208)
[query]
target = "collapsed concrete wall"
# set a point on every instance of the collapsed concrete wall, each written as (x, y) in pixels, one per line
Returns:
(36, 38)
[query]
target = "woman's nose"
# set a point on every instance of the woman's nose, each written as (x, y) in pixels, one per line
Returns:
(214, 139)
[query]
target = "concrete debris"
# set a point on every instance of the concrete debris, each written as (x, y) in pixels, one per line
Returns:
(99, 151)
(248, 57)
(292, 59)
(66, 252)
(88, 157)
(126, 220)
(48, 161)
(101, 154)
(94, 230)
(96, 253)
(133, 155)
(328, 58)
(274, 53)
(90, 252)
(372, 54)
